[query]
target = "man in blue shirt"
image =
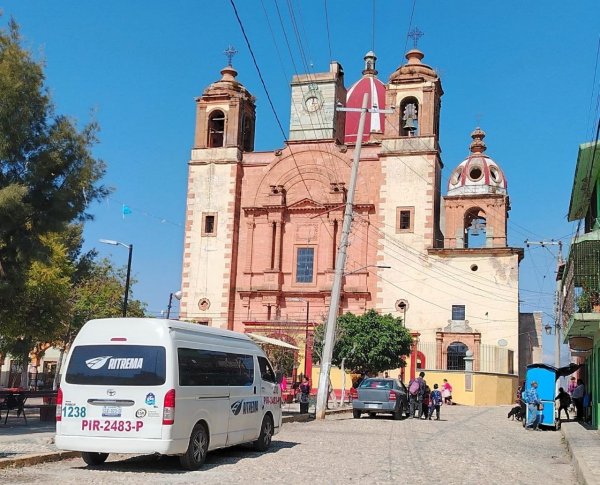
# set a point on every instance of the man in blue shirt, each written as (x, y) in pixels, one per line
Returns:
(530, 396)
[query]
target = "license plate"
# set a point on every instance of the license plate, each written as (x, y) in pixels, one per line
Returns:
(372, 406)
(111, 411)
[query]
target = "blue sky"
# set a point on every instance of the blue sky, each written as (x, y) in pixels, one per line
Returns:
(524, 71)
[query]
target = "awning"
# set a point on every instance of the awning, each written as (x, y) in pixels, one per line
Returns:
(271, 341)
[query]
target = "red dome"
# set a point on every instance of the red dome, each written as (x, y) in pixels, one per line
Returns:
(376, 89)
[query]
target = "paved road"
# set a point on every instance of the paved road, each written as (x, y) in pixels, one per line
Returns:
(468, 446)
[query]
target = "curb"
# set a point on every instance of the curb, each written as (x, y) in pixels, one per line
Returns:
(27, 460)
(582, 471)
(303, 418)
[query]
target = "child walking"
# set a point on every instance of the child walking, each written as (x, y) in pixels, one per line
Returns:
(435, 402)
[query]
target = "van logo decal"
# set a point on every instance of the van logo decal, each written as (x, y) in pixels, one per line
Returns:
(150, 399)
(111, 392)
(97, 362)
(247, 407)
(236, 407)
(117, 363)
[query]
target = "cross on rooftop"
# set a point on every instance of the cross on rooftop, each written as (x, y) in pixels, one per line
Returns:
(415, 34)
(229, 53)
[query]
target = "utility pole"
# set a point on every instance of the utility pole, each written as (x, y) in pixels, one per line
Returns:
(558, 296)
(340, 263)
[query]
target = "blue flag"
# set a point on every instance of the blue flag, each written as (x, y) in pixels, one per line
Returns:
(126, 211)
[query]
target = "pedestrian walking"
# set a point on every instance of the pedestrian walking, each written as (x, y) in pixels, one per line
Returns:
(416, 390)
(304, 395)
(426, 401)
(570, 388)
(577, 396)
(530, 396)
(447, 392)
(564, 400)
(435, 402)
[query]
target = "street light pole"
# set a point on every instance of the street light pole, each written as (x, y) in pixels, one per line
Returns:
(177, 294)
(322, 393)
(306, 342)
(130, 249)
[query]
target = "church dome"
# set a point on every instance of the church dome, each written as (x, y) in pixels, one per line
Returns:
(414, 68)
(227, 84)
(478, 173)
(374, 123)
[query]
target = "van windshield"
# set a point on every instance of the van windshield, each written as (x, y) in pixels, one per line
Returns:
(117, 365)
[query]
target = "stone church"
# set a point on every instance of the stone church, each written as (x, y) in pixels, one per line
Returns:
(262, 228)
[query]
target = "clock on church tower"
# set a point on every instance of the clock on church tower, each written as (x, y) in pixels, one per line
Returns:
(314, 97)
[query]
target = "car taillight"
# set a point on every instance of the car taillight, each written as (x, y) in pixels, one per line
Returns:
(353, 393)
(392, 396)
(59, 400)
(169, 407)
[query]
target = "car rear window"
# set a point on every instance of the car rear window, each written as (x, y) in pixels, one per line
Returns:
(376, 384)
(117, 365)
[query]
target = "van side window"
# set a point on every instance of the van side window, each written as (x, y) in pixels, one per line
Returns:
(266, 371)
(210, 368)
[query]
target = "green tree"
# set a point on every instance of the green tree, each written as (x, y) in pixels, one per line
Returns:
(48, 178)
(48, 175)
(369, 343)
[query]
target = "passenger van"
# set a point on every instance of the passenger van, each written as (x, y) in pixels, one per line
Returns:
(142, 385)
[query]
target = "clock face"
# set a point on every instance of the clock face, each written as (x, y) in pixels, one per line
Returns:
(312, 103)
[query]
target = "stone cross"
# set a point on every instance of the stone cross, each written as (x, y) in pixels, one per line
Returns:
(229, 53)
(415, 34)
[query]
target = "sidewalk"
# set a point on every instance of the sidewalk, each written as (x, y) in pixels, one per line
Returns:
(28, 444)
(583, 444)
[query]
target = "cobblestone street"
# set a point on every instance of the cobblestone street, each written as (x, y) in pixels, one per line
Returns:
(469, 445)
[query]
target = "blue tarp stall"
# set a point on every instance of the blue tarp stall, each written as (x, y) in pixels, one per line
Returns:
(546, 376)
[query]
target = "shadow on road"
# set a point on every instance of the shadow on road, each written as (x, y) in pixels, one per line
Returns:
(170, 464)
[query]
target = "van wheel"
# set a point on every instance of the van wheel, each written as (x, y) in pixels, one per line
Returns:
(266, 435)
(93, 459)
(195, 455)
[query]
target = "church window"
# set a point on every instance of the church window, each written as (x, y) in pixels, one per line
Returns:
(458, 312)
(305, 258)
(247, 134)
(216, 129)
(475, 173)
(409, 117)
(457, 352)
(495, 175)
(455, 179)
(405, 219)
(209, 224)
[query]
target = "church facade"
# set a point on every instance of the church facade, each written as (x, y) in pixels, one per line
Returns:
(262, 228)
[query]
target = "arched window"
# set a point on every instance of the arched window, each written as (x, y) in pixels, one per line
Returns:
(456, 356)
(216, 129)
(409, 117)
(421, 360)
(247, 133)
(475, 224)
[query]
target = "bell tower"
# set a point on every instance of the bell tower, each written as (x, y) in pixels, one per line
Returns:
(225, 114)
(224, 132)
(411, 155)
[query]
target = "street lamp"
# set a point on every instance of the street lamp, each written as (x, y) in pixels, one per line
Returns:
(130, 249)
(305, 334)
(381, 266)
(177, 294)
(548, 329)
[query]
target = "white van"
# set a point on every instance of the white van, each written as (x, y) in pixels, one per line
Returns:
(142, 385)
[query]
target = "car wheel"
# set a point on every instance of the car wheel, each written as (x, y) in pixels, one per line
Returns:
(94, 459)
(195, 454)
(356, 413)
(398, 413)
(266, 435)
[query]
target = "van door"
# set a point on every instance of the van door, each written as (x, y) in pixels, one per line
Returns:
(270, 393)
(244, 400)
(114, 390)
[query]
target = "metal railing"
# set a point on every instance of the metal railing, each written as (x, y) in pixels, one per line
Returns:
(492, 358)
